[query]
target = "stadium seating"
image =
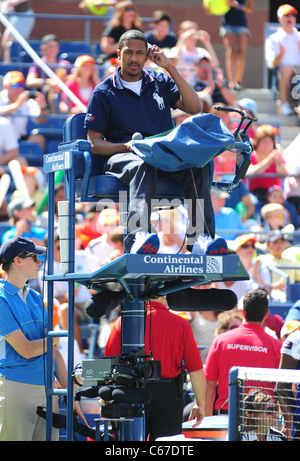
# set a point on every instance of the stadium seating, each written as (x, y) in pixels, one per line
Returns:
(295, 291)
(32, 152)
(71, 50)
(4, 227)
(52, 130)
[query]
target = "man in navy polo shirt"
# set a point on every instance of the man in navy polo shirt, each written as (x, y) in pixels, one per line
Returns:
(133, 100)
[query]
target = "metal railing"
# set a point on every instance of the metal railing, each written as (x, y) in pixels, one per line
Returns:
(87, 19)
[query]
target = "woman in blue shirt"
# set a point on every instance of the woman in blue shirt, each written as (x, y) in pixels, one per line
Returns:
(23, 345)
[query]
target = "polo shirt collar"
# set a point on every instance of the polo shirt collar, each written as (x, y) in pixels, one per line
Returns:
(11, 289)
(253, 326)
(147, 78)
(156, 305)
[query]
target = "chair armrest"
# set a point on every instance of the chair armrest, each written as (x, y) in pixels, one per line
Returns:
(80, 148)
(78, 144)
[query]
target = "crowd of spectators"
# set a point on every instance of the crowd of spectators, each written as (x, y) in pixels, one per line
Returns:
(258, 220)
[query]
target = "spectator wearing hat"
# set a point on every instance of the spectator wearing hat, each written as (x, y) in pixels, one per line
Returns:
(38, 79)
(289, 327)
(226, 218)
(23, 330)
(292, 316)
(82, 83)
(282, 51)
(161, 33)
(245, 248)
(35, 182)
(21, 215)
(211, 80)
(17, 105)
(277, 242)
(250, 107)
(267, 158)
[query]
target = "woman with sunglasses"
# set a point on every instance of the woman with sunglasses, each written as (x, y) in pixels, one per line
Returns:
(125, 18)
(245, 248)
(23, 345)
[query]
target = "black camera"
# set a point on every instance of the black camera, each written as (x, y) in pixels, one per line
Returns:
(133, 367)
(32, 93)
(135, 371)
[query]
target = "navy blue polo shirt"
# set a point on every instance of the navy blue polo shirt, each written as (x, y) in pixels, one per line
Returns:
(117, 112)
(168, 42)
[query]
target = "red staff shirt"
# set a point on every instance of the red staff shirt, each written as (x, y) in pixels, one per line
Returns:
(247, 346)
(172, 341)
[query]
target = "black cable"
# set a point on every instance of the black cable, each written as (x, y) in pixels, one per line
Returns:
(198, 199)
(150, 329)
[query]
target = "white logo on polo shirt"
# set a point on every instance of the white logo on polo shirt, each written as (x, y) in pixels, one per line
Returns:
(160, 101)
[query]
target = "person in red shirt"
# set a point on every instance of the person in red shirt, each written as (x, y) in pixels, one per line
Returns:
(247, 345)
(267, 158)
(87, 230)
(82, 83)
(172, 342)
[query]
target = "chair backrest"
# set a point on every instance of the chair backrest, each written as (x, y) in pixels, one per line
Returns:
(74, 129)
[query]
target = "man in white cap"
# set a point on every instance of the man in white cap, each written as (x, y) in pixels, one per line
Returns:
(211, 80)
(283, 51)
(19, 106)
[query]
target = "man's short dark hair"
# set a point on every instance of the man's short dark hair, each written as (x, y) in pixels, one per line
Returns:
(255, 305)
(161, 15)
(132, 34)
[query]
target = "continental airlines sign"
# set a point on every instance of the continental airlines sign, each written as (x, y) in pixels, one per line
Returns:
(175, 264)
